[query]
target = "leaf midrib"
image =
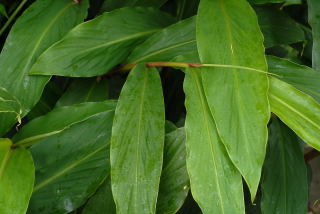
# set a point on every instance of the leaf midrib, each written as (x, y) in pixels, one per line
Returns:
(66, 169)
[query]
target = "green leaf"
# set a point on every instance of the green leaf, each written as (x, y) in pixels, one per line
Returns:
(216, 184)
(277, 27)
(114, 4)
(137, 142)
(284, 185)
(111, 39)
(85, 90)
(71, 165)
(314, 21)
(298, 110)
(16, 178)
(174, 183)
(3, 10)
(58, 120)
(302, 77)
(50, 19)
(102, 201)
(10, 110)
(237, 98)
(170, 42)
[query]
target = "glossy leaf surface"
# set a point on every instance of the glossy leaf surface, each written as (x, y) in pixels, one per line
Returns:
(102, 201)
(16, 178)
(85, 90)
(78, 155)
(137, 142)
(314, 21)
(216, 184)
(174, 183)
(284, 185)
(170, 42)
(302, 77)
(237, 98)
(277, 27)
(50, 19)
(298, 110)
(111, 39)
(58, 120)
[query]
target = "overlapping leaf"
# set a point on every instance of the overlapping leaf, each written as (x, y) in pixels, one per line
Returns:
(298, 110)
(112, 37)
(172, 41)
(85, 90)
(284, 184)
(237, 98)
(314, 21)
(59, 120)
(114, 4)
(102, 201)
(216, 184)
(71, 165)
(50, 19)
(16, 178)
(137, 142)
(302, 77)
(277, 27)
(174, 183)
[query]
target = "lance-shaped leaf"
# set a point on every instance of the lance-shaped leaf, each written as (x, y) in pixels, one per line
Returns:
(170, 42)
(85, 90)
(216, 184)
(284, 185)
(228, 34)
(277, 27)
(42, 24)
(314, 21)
(302, 77)
(10, 110)
(78, 155)
(112, 37)
(298, 110)
(102, 201)
(174, 183)
(59, 120)
(16, 178)
(137, 142)
(114, 4)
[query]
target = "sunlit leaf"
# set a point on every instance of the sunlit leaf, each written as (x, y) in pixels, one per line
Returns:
(137, 142)
(237, 98)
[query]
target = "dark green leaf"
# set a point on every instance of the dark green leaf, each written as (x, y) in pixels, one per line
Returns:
(112, 37)
(314, 21)
(58, 120)
(287, 2)
(50, 19)
(85, 90)
(174, 183)
(212, 175)
(300, 76)
(298, 110)
(3, 10)
(277, 27)
(284, 184)
(71, 165)
(137, 142)
(102, 201)
(170, 42)
(114, 4)
(237, 98)
(16, 178)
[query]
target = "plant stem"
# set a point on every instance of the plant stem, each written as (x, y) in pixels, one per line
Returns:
(11, 18)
